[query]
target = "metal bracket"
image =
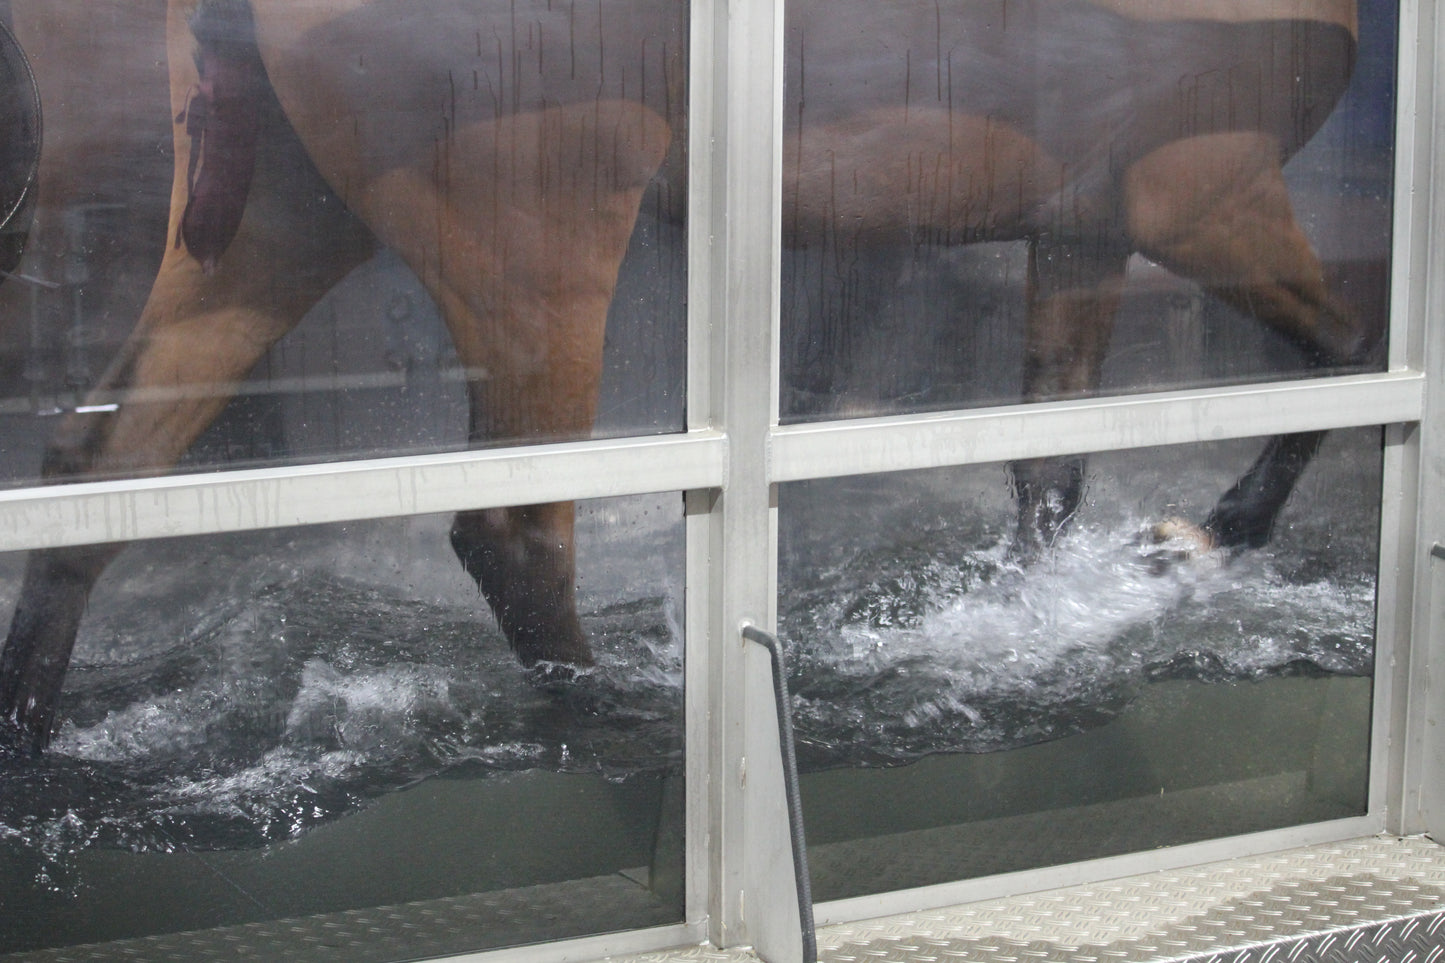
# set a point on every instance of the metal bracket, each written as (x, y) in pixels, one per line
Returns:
(801, 875)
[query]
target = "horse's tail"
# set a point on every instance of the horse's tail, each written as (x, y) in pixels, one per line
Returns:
(222, 117)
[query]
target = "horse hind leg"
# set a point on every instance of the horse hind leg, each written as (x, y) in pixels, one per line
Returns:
(36, 655)
(1244, 517)
(200, 332)
(1215, 209)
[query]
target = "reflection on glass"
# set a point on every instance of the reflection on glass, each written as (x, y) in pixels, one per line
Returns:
(962, 712)
(1029, 199)
(301, 723)
(449, 201)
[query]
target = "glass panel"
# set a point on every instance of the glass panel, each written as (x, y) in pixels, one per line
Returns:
(323, 725)
(481, 190)
(1107, 693)
(1002, 201)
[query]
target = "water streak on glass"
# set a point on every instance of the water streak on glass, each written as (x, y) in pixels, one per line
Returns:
(1005, 201)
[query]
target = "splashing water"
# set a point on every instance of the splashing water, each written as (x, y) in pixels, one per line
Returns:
(984, 655)
(317, 696)
(294, 700)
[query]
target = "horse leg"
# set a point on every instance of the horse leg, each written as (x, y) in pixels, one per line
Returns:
(522, 253)
(1245, 515)
(199, 333)
(1073, 294)
(1216, 209)
(42, 634)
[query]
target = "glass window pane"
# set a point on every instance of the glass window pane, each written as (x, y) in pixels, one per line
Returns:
(453, 198)
(1107, 692)
(1003, 201)
(325, 725)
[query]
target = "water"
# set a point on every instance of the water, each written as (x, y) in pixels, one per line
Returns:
(986, 656)
(916, 633)
(273, 682)
(313, 676)
(270, 720)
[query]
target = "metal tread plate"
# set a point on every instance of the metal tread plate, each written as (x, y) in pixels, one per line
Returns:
(1374, 900)
(1319, 899)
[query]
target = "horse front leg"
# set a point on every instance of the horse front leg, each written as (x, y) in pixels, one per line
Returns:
(521, 249)
(522, 559)
(174, 376)
(1073, 294)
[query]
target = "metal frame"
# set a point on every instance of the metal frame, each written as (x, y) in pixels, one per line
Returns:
(734, 454)
(1401, 769)
(1416, 782)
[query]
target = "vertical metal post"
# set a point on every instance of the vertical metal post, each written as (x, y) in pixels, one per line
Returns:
(1416, 780)
(736, 170)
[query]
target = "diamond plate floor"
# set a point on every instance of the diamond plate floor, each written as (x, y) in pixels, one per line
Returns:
(1377, 900)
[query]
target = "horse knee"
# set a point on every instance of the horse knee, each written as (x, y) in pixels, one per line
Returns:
(524, 568)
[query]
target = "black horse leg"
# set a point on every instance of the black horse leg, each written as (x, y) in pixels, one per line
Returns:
(1074, 288)
(53, 596)
(1245, 516)
(1047, 492)
(42, 635)
(1216, 209)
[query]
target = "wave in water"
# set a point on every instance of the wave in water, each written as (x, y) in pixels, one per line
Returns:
(310, 695)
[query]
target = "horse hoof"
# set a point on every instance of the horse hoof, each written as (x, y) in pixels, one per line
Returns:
(16, 742)
(1175, 540)
(555, 677)
(570, 687)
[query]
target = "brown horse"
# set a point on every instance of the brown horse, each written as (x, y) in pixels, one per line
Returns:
(502, 151)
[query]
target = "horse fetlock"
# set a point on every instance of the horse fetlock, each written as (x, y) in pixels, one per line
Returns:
(526, 577)
(1236, 528)
(26, 726)
(1047, 492)
(1245, 517)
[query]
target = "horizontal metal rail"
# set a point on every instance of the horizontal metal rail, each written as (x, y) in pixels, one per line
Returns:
(870, 445)
(113, 511)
